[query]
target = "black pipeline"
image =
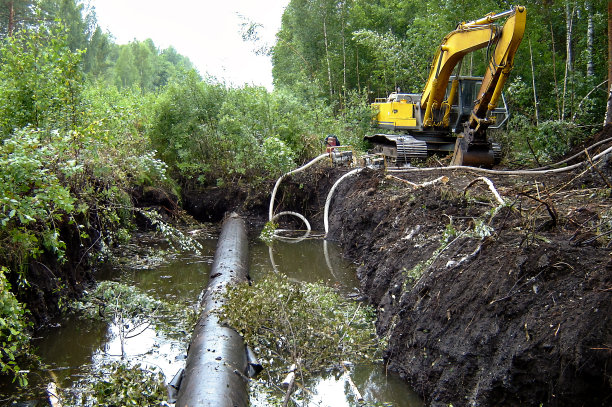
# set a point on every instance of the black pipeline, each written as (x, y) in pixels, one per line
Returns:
(217, 361)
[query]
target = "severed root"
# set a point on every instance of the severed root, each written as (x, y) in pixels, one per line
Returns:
(443, 179)
(498, 197)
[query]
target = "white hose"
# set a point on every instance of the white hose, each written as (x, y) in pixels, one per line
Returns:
(331, 192)
(302, 168)
(298, 215)
(504, 172)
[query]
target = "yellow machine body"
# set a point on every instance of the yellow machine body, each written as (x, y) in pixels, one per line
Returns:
(454, 109)
(396, 114)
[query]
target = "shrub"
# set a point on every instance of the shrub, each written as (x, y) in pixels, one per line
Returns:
(285, 322)
(14, 338)
(124, 385)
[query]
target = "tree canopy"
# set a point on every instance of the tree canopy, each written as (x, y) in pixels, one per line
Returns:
(344, 45)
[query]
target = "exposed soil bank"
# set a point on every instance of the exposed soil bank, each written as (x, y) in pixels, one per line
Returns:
(522, 316)
(481, 306)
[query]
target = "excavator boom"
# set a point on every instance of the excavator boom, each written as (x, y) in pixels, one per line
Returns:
(455, 118)
(472, 147)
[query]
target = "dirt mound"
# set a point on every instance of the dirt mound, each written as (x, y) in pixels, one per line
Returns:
(486, 304)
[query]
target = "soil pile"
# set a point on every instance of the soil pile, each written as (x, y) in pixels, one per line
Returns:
(487, 303)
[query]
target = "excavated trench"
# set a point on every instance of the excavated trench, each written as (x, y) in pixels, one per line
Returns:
(483, 304)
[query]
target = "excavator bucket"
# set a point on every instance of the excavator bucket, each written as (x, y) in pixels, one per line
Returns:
(476, 154)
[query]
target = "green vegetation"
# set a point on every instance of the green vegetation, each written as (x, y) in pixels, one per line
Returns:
(13, 326)
(129, 385)
(132, 311)
(309, 325)
(209, 134)
(86, 123)
(121, 384)
(71, 151)
(375, 47)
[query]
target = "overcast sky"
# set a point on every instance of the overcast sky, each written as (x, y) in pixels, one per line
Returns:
(205, 31)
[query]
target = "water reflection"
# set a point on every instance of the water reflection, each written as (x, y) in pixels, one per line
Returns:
(317, 260)
(311, 260)
(374, 385)
(73, 348)
(76, 347)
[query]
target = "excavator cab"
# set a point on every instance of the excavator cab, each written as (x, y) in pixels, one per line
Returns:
(465, 101)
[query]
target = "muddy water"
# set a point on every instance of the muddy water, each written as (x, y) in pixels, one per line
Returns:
(77, 347)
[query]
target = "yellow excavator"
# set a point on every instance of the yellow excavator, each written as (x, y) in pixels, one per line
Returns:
(454, 112)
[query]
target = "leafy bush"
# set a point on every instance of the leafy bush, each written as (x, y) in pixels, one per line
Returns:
(61, 158)
(554, 138)
(287, 322)
(124, 385)
(13, 330)
(33, 196)
(40, 80)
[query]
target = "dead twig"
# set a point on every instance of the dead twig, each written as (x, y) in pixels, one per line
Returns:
(443, 179)
(551, 210)
(603, 177)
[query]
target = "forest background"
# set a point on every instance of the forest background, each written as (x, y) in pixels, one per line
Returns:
(85, 123)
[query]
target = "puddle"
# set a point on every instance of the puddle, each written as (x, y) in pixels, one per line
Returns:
(78, 346)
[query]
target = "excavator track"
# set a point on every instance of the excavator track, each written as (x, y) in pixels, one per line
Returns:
(399, 149)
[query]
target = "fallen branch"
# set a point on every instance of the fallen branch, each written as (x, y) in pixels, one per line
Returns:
(443, 179)
(498, 197)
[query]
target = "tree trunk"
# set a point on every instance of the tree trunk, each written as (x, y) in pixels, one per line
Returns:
(569, 16)
(608, 119)
(344, 85)
(11, 21)
(329, 78)
(589, 51)
(533, 84)
(552, 39)
(357, 66)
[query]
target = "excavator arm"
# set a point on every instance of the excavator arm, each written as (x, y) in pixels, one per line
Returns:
(472, 147)
(466, 38)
